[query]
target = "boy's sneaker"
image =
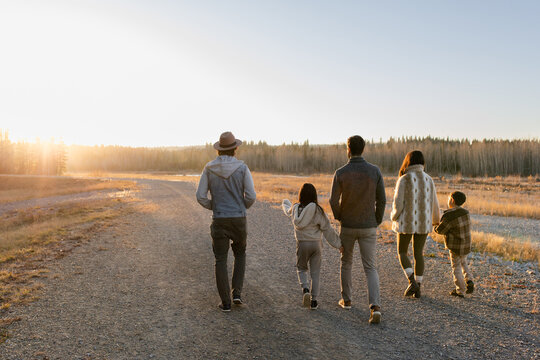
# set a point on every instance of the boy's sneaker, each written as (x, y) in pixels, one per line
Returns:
(237, 300)
(225, 307)
(306, 299)
(470, 287)
(375, 317)
(455, 293)
(314, 305)
(344, 304)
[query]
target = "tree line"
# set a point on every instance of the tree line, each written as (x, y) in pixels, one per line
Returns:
(443, 157)
(37, 158)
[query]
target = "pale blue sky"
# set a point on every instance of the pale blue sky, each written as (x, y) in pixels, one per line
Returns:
(162, 73)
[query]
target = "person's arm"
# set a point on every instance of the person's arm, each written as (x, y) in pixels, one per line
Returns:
(380, 200)
(328, 231)
(287, 207)
(249, 189)
(399, 197)
(435, 202)
(444, 226)
(335, 195)
(202, 191)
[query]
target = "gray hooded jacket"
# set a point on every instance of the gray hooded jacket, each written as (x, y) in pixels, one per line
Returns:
(231, 187)
(311, 223)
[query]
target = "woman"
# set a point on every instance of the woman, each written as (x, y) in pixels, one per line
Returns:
(414, 211)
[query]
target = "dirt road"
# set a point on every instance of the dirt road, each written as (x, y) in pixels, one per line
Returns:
(146, 290)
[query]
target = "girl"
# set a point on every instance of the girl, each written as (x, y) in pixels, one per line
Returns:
(414, 211)
(310, 222)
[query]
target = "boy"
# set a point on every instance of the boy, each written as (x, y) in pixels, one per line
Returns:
(456, 227)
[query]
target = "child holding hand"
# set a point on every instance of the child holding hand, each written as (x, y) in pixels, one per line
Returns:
(456, 227)
(310, 225)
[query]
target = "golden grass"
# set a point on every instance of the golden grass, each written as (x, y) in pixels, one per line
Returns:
(18, 188)
(27, 241)
(193, 178)
(508, 248)
(489, 203)
(509, 196)
(501, 196)
(28, 227)
(31, 236)
(273, 188)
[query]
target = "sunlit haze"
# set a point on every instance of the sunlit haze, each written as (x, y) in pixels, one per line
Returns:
(173, 73)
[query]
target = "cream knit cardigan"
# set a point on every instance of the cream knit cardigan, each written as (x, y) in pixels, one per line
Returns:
(415, 208)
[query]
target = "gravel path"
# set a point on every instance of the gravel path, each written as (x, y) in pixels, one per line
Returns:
(145, 290)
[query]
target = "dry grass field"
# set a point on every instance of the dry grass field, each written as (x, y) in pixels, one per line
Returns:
(513, 197)
(501, 196)
(504, 197)
(509, 196)
(18, 188)
(488, 196)
(30, 235)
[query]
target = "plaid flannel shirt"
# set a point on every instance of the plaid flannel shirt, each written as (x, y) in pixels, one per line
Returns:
(456, 227)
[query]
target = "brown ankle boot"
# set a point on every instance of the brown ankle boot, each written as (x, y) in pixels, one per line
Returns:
(412, 288)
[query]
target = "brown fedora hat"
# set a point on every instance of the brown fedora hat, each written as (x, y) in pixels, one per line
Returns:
(227, 141)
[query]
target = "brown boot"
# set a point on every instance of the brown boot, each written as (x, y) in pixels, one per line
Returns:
(412, 288)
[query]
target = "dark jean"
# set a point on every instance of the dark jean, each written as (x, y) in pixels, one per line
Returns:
(225, 232)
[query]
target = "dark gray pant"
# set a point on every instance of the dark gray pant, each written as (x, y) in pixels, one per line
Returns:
(225, 232)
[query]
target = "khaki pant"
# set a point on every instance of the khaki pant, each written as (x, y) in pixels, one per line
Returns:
(460, 268)
(367, 239)
(309, 252)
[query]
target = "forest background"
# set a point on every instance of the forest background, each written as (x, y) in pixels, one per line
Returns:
(470, 158)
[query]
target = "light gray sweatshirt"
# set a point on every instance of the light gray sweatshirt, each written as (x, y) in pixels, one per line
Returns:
(231, 187)
(311, 223)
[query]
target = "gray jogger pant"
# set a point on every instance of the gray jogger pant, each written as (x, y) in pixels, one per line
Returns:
(367, 239)
(309, 252)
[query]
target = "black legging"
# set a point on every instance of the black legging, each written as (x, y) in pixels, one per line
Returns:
(419, 241)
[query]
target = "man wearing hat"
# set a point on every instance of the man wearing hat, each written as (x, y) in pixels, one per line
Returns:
(232, 192)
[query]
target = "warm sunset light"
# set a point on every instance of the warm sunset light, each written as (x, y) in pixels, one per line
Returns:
(269, 179)
(178, 73)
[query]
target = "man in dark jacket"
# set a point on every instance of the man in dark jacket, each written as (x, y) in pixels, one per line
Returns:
(358, 200)
(232, 192)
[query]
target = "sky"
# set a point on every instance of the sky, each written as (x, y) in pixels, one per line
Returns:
(178, 73)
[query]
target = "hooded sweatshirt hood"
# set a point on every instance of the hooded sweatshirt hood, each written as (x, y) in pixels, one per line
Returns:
(303, 218)
(224, 166)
